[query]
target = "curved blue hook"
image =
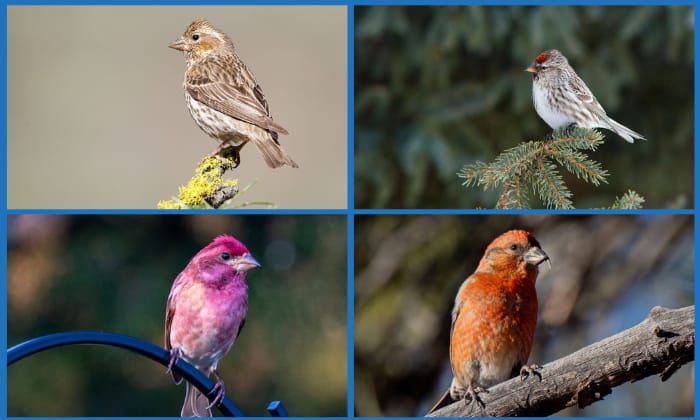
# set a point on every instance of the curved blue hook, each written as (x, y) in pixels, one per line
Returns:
(153, 352)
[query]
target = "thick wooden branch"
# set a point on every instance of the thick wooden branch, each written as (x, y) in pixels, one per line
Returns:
(660, 344)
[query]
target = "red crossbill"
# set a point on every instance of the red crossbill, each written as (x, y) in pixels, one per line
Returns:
(494, 317)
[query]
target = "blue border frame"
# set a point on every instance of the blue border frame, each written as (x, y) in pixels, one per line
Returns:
(3, 219)
(350, 211)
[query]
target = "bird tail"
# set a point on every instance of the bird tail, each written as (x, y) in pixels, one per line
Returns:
(444, 401)
(196, 404)
(272, 152)
(622, 131)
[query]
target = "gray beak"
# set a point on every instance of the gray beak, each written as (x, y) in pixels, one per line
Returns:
(245, 263)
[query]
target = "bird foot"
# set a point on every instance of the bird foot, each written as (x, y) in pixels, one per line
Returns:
(226, 153)
(532, 370)
(219, 390)
(174, 355)
(472, 394)
(569, 128)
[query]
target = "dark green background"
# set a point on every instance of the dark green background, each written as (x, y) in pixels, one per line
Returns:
(113, 273)
(439, 87)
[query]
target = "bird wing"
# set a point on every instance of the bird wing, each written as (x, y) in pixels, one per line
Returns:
(169, 314)
(214, 84)
(455, 314)
(584, 94)
(446, 398)
(456, 310)
(170, 307)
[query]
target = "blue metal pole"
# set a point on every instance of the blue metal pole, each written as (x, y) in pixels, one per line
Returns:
(153, 352)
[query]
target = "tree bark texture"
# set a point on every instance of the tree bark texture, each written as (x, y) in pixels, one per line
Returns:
(660, 344)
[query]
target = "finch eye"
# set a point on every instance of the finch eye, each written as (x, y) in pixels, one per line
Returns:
(225, 256)
(513, 247)
(195, 37)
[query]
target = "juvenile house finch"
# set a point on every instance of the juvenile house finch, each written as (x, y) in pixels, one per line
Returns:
(205, 313)
(223, 97)
(494, 317)
(562, 99)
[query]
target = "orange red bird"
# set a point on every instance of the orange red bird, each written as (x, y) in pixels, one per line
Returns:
(494, 317)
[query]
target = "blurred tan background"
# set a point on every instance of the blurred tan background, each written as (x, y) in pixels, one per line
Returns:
(97, 119)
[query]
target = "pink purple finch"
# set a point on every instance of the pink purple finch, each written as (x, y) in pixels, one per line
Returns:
(206, 311)
(562, 98)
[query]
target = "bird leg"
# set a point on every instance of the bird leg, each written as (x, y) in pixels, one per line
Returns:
(532, 370)
(174, 355)
(570, 128)
(218, 389)
(566, 132)
(472, 394)
(225, 153)
(233, 153)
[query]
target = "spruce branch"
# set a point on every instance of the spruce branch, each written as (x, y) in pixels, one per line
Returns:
(549, 185)
(629, 200)
(536, 167)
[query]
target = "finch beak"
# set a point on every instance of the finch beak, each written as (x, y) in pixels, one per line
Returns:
(531, 70)
(245, 263)
(536, 256)
(179, 45)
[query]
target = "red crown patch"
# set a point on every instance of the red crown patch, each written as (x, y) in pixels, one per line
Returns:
(542, 57)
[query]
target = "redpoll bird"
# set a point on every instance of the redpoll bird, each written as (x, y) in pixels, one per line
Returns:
(206, 311)
(562, 99)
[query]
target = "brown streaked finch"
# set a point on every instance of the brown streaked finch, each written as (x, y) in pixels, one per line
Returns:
(205, 313)
(223, 97)
(562, 98)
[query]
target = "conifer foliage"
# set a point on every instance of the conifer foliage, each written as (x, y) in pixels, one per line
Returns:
(535, 168)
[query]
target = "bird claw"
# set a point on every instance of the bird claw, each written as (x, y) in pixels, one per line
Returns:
(226, 153)
(532, 370)
(472, 394)
(230, 153)
(219, 390)
(569, 128)
(174, 355)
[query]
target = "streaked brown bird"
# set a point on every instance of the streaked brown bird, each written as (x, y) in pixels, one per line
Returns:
(224, 98)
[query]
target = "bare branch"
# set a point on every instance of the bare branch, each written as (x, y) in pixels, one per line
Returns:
(660, 344)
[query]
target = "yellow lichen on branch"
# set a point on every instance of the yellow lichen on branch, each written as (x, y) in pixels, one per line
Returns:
(207, 188)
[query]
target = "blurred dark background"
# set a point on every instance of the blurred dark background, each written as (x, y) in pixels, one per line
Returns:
(113, 273)
(607, 273)
(439, 87)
